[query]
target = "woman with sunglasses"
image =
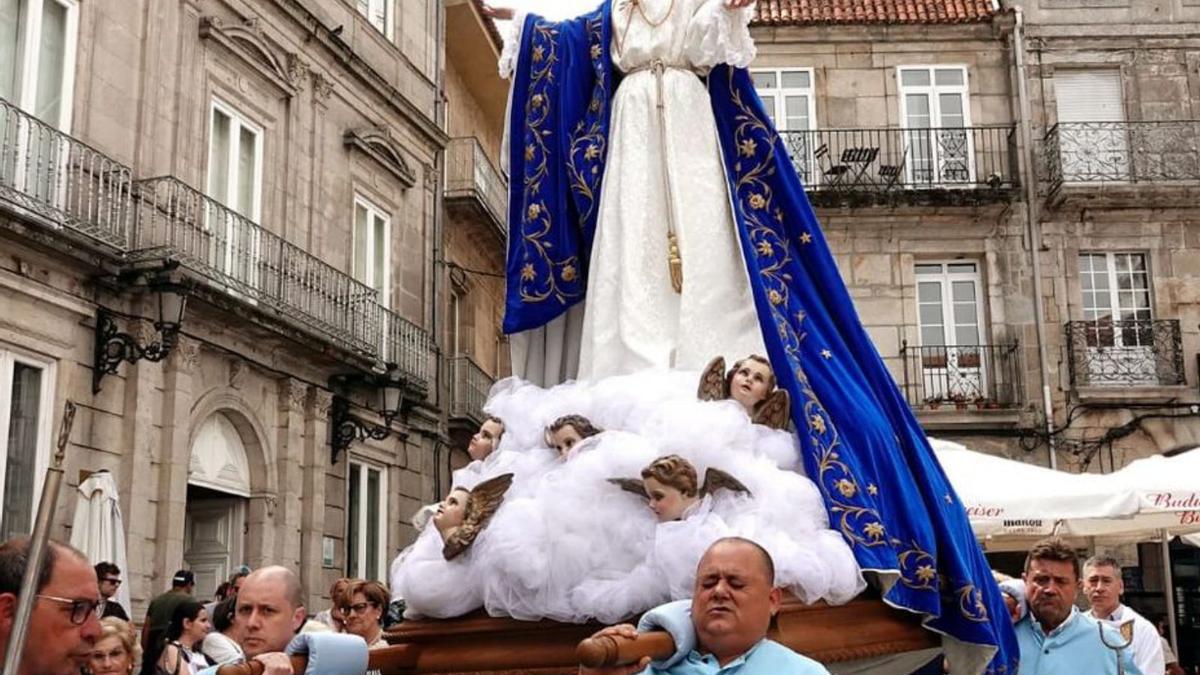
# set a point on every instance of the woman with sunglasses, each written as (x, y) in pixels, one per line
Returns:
(364, 603)
(116, 650)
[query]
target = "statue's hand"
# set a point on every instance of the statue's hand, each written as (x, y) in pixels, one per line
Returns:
(506, 13)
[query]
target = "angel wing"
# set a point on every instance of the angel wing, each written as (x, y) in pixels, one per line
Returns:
(775, 411)
(716, 479)
(482, 504)
(631, 485)
(712, 381)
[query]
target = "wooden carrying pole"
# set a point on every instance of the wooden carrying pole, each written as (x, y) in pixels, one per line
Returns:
(607, 650)
(394, 660)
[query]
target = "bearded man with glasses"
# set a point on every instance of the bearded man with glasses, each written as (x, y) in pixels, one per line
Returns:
(65, 621)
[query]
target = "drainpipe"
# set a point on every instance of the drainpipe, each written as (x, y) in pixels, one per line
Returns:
(439, 168)
(1033, 226)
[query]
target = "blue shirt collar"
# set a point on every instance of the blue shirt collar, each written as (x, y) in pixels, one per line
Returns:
(696, 657)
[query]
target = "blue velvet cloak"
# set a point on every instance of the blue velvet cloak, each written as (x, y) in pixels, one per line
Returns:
(861, 443)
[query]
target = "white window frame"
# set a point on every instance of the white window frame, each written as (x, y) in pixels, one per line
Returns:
(237, 121)
(370, 8)
(8, 356)
(806, 166)
(1114, 302)
(367, 276)
(933, 90)
(940, 372)
(28, 57)
(364, 467)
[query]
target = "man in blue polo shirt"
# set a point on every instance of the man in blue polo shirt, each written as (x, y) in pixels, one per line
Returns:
(1055, 637)
(723, 628)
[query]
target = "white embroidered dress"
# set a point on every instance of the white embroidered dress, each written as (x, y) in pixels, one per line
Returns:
(633, 318)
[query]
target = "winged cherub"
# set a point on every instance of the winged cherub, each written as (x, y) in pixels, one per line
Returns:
(464, 513)
(750, 382)
(668, 485)
(567, 431)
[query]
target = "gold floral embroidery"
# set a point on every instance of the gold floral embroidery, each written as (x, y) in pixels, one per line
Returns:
(874, 531)
(926, 573)
(826, 354)
(805, 238)
(872, 490)
(746, 148)
(528, 273)
(765, 248)
(757, 201)
(846, 487)
(568, 273)
(774, 296)
(817, 423)
(539, 53)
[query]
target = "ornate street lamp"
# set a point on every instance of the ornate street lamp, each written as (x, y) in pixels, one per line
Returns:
(112, 346)
(345, 427)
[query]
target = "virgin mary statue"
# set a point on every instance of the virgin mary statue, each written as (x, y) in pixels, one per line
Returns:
(656, 220)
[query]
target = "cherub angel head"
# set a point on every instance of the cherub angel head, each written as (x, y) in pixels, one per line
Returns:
(751, 382)
(670, 488)
(464, 513)
(487, 438)
(566, 431)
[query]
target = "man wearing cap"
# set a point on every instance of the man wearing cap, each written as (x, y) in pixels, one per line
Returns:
(158, 614)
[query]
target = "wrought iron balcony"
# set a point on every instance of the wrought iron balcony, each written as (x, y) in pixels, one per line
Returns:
(240, 257)
(473, 181)
(1123, 152)
(67, 184)
(409, 347)
(1138, 353)
(888, 165)
(470, 389)
(977, 377)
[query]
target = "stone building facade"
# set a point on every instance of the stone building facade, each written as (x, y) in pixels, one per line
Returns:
(909, 128)
(284, 161)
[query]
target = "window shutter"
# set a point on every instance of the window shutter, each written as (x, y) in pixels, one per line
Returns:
(1089, 96)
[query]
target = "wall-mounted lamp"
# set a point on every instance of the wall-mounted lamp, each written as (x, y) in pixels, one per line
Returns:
(112, 346)
(345, 427)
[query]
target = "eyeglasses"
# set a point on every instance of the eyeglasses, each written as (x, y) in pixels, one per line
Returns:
(114, 582)
(357, 609)
(80, 609)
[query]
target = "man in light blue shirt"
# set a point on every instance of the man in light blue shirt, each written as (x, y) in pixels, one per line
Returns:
(723, 628)
(1054, 636)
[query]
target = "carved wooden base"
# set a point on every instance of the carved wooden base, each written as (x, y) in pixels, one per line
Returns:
(476, 643)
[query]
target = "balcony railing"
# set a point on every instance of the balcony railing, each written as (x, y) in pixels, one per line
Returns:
(1123, 152)
(65, 182)
(964, 376)
(236, 255)
(470, 175)
(889, 160)
(470, 389)
(408, 346)
(1138, 353)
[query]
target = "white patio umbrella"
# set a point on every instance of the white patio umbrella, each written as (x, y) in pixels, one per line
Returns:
(1007, 498)
(98, 529)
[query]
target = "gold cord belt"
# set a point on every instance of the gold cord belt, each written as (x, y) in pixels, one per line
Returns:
(674, 261)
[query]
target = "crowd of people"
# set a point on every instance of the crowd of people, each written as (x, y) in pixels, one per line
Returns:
(75, 626)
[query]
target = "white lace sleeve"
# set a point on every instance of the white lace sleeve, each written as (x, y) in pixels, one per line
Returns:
(512, 45)
(717, 34)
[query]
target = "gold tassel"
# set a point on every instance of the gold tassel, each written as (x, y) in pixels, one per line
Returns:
(674, 262)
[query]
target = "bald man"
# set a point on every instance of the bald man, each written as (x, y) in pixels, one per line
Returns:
(270, 611)
(732, 605)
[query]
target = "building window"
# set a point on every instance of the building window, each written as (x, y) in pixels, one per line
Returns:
(1116, 288)
(371, 251)
(37, 57)
(1092, 134)
(380, 13)
(366, 531)
(235, 161)
(934, 105)
(26, 397)
(787, 95)
(950, 323)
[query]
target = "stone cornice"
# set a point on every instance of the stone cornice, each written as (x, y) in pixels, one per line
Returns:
(247, 40)
(378, 144)
(364, 72)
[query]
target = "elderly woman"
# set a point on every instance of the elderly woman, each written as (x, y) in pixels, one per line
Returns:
(333, 617)
(363, 605)
(116, 650)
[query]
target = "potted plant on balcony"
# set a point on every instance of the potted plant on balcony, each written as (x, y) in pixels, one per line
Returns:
(933, 402)
(968, 359)
(960, 401)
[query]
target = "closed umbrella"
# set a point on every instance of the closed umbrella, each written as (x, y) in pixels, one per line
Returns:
(98, 529)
